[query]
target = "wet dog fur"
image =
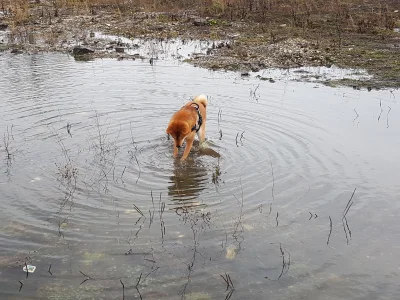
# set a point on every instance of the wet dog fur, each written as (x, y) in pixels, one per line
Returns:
(184, 125)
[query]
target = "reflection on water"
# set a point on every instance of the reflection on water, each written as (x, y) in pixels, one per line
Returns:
(190, 178)
(187, 182)
(94, 199)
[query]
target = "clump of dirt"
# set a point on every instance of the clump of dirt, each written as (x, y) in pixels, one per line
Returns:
(238, 56)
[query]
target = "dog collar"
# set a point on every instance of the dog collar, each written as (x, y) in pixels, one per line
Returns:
(199, 119)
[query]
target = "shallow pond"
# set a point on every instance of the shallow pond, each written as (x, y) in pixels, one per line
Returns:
(90, 193)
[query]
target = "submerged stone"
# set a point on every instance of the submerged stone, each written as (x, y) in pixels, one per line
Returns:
(200, 22)
(78, 50)
(17, 51)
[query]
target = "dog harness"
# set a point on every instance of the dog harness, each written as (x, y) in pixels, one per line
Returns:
(199, 119)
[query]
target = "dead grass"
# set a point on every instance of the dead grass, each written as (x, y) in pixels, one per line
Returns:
(361, 16)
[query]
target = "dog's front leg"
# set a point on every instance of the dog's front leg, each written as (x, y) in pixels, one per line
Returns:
(189, 143)
(175, 150)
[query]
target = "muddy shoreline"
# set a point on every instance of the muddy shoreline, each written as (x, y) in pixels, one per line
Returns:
(233, 45)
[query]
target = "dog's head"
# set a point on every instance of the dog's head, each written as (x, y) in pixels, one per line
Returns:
(179, 131)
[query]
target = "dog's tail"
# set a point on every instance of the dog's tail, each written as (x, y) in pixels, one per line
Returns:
(201, 99)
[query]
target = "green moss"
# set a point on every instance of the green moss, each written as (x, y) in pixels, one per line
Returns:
(197, 296)
(217, 22)
(58, 291)
(90, 257)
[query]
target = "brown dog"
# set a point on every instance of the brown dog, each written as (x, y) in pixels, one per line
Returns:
(186, 122)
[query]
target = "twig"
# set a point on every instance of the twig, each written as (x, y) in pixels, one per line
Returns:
(238, 223)
(69, 129)
(391, 92)
(330, 230)
(241, 137)
(161, 211)
(283, 260)
(273, 186)
(140, 277)
(138, 210)
(345, 232)
(226, 281)
(140, 169)
(123, 172)
(136, 150)
(123, 290)
(356, 116)
(26, 267)
(277, 214)
(140, 227)
(229, 295)
(237, 139)
(152, 214)
(21, 285)
(285, 263)
(49, 270)
(137, 286)
(380, 105)
(59, 223)
(346, 227)
(230, 281)
(387, 117)
(346, 210)
(273, 181)
(6, 141)
(229, 285)
(87, 277)
(253, 92)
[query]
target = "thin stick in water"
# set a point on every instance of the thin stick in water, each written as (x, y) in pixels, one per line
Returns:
(123, 290)
(330, 230)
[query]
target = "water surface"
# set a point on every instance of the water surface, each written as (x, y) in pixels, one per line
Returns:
(91, 195)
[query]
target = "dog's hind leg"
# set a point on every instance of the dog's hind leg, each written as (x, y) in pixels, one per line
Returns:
(202, 134)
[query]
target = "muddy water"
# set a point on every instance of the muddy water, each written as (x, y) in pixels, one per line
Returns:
(91, 196)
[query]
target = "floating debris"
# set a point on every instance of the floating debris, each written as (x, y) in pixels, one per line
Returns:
(31, 268)
(231, 252)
